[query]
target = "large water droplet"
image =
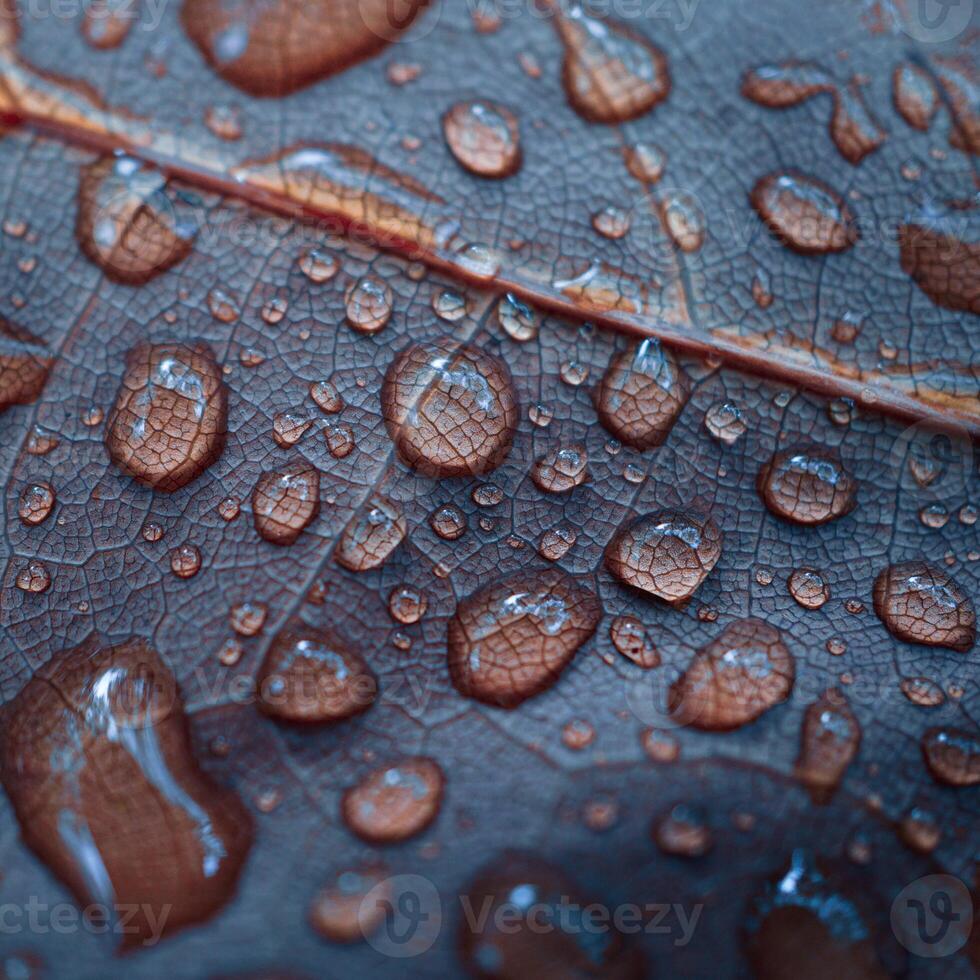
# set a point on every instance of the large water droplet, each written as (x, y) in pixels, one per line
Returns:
(273, 48)
(667, 554)
(610, 73)
(483, 137)
(314, 677)
(725, 422)
(128, 222)
(806, 215)
(450, 409)
(829, 740)
(511, 639)
(536, 925)
(395, 802)
(742, 673)
(561, 470)
(920, 603)
(641, 394)
(371, 536)
(172, 854)
(952, 755)
(807, 485)
(170, 417)
(915, 95)
(922, 691)
(285, 502)
(24, 366)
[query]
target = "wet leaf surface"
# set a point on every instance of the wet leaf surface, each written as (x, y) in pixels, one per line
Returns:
(524, 779)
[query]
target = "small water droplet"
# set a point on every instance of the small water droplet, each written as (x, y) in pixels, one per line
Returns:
(407, 604)
(540, 415)
(449, 305)
(561, 470)
(807, 485)
(829, 740)
(340, 439)
(836, 646)
(152, 532)
(804, 214)
(223, 305)
(683, 832)
(629, 637)
(319, 265)
(40, 442)
(484, 137)
(394, 802)
(371, 535)
(289, 427)
(556, 542)
(646, 162)
(659, 746)
(920, 830)
(247, 618)
(33, 578)
(487, 495)
(578, 734)
(185, 561)
(285, 502)
(611, 222)
(229, 508)
(37, 500)
(274, 310)
(574, 373)
(518, 320)
(448, 521)
(725, 422)
(225, 121)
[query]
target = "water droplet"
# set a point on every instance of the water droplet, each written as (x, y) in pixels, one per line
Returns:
(449, 305)
(185, 561)
(762, 289)
(230, 653)
(395, 802)
(683, 832)
(479, 261)
(641, 394)
(484, 137)
(340, 439)
(725, 422)
(738, 676)
(540, 415)
(578, 734)
(561, 470)
(968, 515)
(314, 677)
(836, 646)
(371, 536)
(92, 417)
(854, 130)
(659, 746)
(846, 328)
(804, 214)
(274, 310)
(667, 554)
(629, 637)
(450, 409)
(556, 542)
(829, 741)
(225, 121)
(152, 532)
(573, 373)
(646, 162)
(807, 485)
(808, 587)
(611, 222)
(223, 306)
(511, 639)
(34, 577)
(289, 427)
(407, 604)
(920, 603)
(610, 74)
(915, 95)
(353, 906)
(802, 921)
(40, 442)
(272, 49)
(684, 220)
(952, 755)
(369, 304)
(448, 521)
(95, 710)
(934, 516)
(518, 320)
(37, 500)
(229, 508)
(285, 502)
(764, 576)
(130, 223)
(170, 417)
(920, 831)
(487, 495)
(940, 261)
(521, 895)
(319, 265)
(922, 691)
(325, 394)
(249, 357)
(600, 814)
(247, 618)
(106, 23)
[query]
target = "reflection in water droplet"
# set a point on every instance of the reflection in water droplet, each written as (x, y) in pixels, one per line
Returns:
(684, 220)
(511, 639)
(449, 305)
(406, 604)
(450, 409)
(667, 554)
(484, 138)
(610, 74)
(448, 522)
(289, 427)
(106, 23)
(805, 214)
(745, 671)
(396, 802)
(519, 321)
(325, 394)
(641, 394)
(807, 485)
(920, 603)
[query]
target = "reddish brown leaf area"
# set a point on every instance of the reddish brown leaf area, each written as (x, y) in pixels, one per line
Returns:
(456, 561)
